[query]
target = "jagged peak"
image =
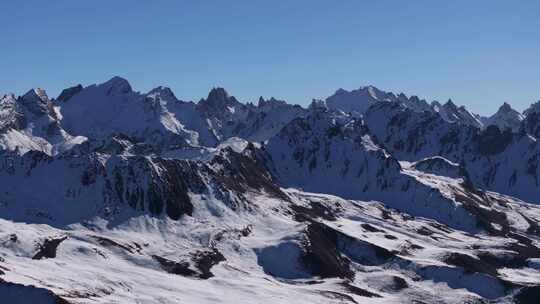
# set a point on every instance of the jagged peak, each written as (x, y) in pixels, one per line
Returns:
(272, 102)
(36, 101)
(218, 94)
(36, 94)
(402, 96)
(217, 99)
(506, 107)
(450, 104)
(534, 108)
(317, 104)
(369, 90)
(117, 85)
(506, 117)
(391, 96)
(8, 98)
(219, 103)
(372, 91)
(415, 98)
(162, 92)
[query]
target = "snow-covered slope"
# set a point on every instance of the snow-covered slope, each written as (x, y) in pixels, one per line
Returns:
(309, 248)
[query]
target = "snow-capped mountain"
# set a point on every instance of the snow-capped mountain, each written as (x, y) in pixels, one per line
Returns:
(157, 118)
(356, 100)
(115, 196)
(454, 114)
(100, 111)
(359, 100)
(32, 123)
(497, 160)
(227, 117)
(505, 118)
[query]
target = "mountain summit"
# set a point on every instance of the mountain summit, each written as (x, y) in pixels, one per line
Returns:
(506, 118)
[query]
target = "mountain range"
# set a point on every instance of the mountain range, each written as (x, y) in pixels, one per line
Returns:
(110, 195)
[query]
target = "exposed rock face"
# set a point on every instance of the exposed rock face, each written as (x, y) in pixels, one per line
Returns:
(492, 141)
(198, 266)
(322, 256)
(36, 102)
(48, 248)
(66, 94)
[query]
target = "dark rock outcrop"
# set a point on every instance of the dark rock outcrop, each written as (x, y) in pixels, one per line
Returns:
(48, 248)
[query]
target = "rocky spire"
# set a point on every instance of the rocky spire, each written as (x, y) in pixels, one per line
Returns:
(217, 100)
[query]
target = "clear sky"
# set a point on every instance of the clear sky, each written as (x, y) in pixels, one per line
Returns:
(479, 53)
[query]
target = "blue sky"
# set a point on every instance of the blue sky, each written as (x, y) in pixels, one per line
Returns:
(479, 53)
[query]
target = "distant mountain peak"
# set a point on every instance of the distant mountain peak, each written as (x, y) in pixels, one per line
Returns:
(318, 104)
(272, 102)
(357, 101)
(218, 102)
(505, 107)
(36, 101)
(117, 86)
(450, 104)
(505, 118)
(162, 92)
(218, 94)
